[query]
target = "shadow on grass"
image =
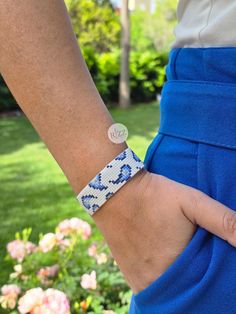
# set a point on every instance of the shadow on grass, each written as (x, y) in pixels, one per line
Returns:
(16, 132)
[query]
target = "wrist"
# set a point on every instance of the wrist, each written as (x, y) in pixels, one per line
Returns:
(109, 180)
(124, 204)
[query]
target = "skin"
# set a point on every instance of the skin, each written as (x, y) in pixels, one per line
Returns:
(145, 228)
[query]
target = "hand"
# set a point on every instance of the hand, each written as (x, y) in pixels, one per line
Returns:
(148, 223)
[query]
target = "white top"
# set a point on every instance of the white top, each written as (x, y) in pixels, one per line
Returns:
(205, 23)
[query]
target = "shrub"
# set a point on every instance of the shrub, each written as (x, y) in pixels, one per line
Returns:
(147, 74)
(107, 76)
(65, 272)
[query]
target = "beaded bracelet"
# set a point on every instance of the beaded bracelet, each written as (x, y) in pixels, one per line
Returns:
(109, 180)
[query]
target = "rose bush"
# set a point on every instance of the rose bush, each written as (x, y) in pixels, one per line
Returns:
(66, 272)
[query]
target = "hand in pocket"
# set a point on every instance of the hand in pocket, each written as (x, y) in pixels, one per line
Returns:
(161, 216)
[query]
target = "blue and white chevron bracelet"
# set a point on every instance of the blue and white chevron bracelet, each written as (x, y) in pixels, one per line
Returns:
(109, 180)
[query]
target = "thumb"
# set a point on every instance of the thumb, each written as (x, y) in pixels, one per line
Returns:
(211, 215)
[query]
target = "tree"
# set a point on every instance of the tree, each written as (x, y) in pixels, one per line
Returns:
(124, 86)
(95, 23)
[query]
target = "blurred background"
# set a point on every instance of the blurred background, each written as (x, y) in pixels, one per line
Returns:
(122, 42)
(97, 26)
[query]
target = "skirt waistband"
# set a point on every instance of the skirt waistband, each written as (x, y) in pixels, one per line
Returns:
(199, 98)
(201, 111)
(216, 64)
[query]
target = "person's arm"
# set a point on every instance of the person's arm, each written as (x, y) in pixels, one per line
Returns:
(43, 67)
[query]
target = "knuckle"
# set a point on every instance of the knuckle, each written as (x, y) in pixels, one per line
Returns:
(229, 223)
(195, 202)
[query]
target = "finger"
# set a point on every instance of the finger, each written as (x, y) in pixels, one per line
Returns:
(212, 216)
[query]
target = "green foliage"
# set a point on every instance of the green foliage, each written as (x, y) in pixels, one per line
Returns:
(140, 38)
(62, 265)
(97, 27)
(147, 74)
(7, 101)
(154, 31)
(161, 24)
(95, 24)
(91, 59)
(107, 78)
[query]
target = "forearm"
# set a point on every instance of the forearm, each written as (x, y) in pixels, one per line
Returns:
(43, 66)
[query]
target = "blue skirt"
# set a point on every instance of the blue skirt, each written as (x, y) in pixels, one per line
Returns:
(196, 145)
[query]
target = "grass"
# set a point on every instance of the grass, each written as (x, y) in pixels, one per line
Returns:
(34, 192)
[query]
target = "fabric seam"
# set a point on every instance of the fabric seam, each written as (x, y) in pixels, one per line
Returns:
(154, 150)
(175, 60)
(203, 140)
(201, 83)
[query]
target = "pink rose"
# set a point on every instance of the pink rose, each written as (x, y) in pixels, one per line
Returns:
(49, 241)
(92, 250)
(31, 301)
(88, 281)
(50, 271)
(75, 225)
(10, 289)
(18, 249)
(56, 302)
(9, 296)
(101, 258)
(37, 301)
(64, 227)
(47, 272)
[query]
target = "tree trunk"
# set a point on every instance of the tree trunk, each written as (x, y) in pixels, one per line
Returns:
(124, 85)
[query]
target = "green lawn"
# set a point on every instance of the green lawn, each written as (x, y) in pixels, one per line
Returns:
(34, 192)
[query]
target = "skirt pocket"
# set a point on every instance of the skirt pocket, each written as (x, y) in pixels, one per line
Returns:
(152, 148)
(175, 158)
